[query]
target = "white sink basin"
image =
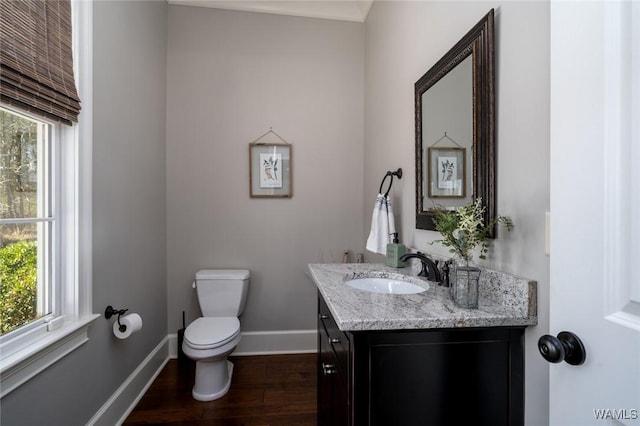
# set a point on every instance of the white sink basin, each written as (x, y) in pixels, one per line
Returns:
(384, 285)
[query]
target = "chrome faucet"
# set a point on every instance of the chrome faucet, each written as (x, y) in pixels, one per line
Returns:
(429, 267)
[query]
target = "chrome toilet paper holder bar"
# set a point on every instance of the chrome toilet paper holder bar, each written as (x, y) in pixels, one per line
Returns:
(110, 311)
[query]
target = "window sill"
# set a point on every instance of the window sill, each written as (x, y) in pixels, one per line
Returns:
(24, 364)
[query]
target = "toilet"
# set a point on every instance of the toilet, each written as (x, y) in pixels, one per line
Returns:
(222, 294)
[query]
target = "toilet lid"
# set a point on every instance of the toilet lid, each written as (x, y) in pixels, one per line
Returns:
(209, 332)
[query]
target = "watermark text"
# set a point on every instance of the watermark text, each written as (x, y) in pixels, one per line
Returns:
(616, 413)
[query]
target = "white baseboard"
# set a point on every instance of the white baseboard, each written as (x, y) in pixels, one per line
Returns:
(266, 343)
(277, 342)
(126, 397)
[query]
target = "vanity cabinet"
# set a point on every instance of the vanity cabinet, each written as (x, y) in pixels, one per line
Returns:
(334, 370)
(471, 376)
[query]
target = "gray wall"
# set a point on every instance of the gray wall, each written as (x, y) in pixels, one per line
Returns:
(129, 238)
(404, 39)
(230, 77)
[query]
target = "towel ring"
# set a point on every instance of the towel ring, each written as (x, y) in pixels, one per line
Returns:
(397, 173)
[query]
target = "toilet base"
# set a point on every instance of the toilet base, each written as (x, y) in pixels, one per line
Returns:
(213, 379)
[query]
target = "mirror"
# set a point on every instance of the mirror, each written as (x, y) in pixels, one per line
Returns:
(455, 141)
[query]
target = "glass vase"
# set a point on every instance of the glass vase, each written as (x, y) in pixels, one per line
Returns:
(464, 281)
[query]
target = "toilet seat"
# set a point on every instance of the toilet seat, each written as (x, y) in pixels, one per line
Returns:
(211, 332)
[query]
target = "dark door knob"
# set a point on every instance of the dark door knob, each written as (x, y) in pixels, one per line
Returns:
(566, 347)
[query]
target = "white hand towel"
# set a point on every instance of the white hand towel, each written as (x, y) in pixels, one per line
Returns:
(382, 225)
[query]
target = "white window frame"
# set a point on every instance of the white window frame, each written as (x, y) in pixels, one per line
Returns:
(36, 348)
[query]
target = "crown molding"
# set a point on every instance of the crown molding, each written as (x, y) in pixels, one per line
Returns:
(342, 10)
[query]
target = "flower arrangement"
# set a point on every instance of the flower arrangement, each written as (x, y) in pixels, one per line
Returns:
(464, 229)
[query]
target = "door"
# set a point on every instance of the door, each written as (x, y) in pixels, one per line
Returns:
(333, 375)
(595, 210)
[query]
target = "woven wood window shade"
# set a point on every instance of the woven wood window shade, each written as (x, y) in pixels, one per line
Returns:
(36, 62)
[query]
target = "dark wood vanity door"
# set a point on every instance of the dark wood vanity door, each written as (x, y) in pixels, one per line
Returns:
(333, 371)
(440, 377)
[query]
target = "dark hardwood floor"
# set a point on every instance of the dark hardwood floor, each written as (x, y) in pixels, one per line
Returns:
(270, 390)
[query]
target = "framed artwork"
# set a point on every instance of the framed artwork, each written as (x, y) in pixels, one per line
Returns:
(447, 173)
(270, 170)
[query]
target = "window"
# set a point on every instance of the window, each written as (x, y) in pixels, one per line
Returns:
(28, 229)
(43, 291)
(45, 218)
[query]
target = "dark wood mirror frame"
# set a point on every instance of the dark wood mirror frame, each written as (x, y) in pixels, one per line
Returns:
(479, 43)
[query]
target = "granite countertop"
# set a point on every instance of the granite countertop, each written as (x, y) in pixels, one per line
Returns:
(504, 300)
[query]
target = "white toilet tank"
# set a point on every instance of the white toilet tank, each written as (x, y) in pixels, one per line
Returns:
(222, 292)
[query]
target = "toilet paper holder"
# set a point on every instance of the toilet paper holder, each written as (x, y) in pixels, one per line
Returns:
(110, 311)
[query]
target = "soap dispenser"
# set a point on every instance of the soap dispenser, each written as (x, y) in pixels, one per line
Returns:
(395, 251)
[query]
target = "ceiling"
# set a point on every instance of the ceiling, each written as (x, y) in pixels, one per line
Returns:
(343, 10)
